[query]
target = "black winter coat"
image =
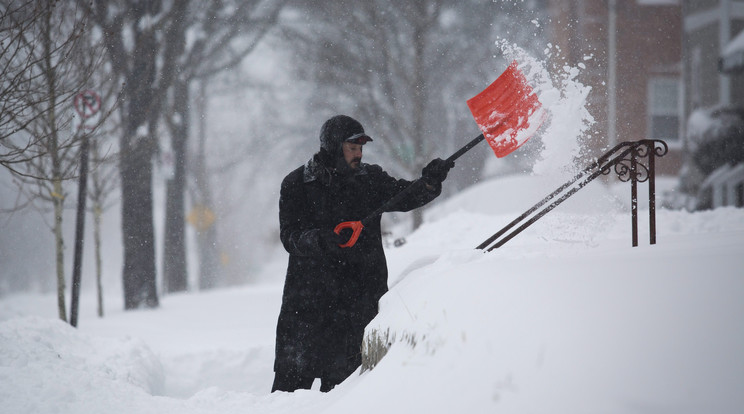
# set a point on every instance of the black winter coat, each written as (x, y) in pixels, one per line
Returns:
(328, 299)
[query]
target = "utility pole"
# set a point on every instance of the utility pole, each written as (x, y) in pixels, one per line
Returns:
(612, 74)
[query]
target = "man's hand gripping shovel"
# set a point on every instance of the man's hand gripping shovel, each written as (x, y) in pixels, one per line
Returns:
(508, 113)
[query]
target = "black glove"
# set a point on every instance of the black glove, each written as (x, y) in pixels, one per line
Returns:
(330, 241)
(436, 171)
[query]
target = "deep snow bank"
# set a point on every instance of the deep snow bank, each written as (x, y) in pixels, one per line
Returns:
(543, 324)
(48, 366)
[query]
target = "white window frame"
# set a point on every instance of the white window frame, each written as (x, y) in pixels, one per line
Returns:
(653, 107)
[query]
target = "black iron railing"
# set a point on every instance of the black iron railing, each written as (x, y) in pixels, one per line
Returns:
(626, 160)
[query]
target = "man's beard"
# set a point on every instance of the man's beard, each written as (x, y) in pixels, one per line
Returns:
(343, 168)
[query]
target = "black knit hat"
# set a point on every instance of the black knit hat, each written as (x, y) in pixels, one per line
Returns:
(338, 129)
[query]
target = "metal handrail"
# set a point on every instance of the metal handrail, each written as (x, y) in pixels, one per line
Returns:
(624, 159)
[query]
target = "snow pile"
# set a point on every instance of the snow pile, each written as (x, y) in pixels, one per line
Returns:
(48, 366)
(607, 328)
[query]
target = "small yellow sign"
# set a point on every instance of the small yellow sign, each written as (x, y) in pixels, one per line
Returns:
(201, 217)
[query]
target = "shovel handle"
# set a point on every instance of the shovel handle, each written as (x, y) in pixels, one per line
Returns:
(355, 226)
(466, 147)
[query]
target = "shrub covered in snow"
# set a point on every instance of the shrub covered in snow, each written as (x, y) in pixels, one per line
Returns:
(715, 138)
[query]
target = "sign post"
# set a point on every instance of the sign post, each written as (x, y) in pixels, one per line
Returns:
(87, 104)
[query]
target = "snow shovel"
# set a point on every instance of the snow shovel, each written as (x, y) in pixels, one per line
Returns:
(508, 113)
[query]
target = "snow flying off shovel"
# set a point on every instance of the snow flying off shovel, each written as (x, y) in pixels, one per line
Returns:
(508, 113)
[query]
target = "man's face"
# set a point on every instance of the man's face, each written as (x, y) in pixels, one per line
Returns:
(352, 154)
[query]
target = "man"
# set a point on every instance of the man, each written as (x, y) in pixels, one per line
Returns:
(331, 293)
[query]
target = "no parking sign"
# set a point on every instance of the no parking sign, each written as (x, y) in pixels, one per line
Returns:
(87, 103)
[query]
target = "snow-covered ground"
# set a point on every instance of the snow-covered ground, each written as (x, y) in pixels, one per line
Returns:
(565, 318)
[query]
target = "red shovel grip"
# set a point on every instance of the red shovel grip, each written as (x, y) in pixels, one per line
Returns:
(355, 226)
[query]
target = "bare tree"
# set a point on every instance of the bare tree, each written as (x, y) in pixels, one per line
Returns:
(225, 33)
(104, 181)
(54, 59)
(143, 41)
(147, 48)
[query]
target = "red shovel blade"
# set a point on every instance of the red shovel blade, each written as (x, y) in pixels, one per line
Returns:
(508, 111)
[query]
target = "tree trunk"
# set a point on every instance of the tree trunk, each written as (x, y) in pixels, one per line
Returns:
(58, 192)
(97, 213)
(418, 218)
(174, 257)
(137, 148)
(137, 224)
(60, 248)
(209, 262)
(98, 191)
(209, 270)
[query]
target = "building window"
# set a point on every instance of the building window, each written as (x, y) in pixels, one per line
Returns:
(663, 108)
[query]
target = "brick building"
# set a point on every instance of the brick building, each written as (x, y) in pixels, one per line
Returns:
(634, 71)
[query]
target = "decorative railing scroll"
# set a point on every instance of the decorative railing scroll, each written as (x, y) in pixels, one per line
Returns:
(633, 161)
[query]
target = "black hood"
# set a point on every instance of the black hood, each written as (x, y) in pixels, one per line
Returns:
(338, 129)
